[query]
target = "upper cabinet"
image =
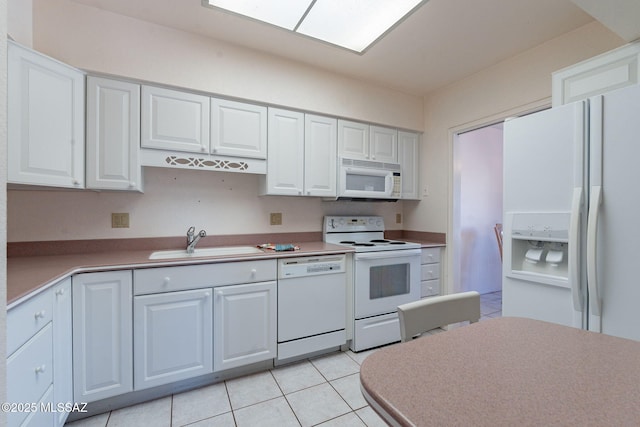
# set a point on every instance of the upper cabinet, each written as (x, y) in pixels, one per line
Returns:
(353, 140)
(238, 129)
(611, 70)
(174, 120)
(367, 142)
(113, 135)
(45, 120)
(302, 154)
(383, 144)
(409, 159)
(285, 162)
(320, 149)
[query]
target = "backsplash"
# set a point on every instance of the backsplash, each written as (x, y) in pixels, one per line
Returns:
(222, 203)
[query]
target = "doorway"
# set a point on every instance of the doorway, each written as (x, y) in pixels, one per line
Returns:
(477, 208)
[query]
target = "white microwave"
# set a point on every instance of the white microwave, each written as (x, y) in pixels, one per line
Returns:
(368, 180)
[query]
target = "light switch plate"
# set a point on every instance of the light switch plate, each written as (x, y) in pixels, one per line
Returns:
(120, 220)
(275, 218)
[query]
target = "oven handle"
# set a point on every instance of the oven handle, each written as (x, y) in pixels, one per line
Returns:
(406, 253)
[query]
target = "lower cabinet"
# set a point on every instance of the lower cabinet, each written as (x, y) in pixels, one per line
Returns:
(172, 337)
(244, 324)
(39, 362)
(102, 335)
(62, 349)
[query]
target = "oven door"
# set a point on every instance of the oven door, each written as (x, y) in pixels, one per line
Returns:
(384, 280)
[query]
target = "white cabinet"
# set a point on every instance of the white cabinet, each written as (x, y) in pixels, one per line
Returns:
(611, 70)
(302, 154)
(238, 129)
(409, 159)
(39, 363)
(174, 120)
(244, 324)
(102, 335)
(285, 160)
(367, 142)
(320, 151)
(113, 135)
(383, 144)
(173, 337)
(45, 120)
(430, 272)
(62, 348)
(353, 140)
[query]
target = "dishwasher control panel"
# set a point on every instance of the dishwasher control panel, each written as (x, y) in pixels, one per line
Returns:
(311, 266)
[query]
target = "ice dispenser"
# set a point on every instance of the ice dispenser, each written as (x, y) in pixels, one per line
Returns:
(538, 246)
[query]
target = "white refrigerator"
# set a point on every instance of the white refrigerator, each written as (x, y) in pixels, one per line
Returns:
(572, 214)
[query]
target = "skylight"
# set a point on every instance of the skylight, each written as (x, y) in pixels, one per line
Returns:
(351, 24)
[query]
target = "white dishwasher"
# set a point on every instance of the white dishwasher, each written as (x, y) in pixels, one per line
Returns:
(312, 294)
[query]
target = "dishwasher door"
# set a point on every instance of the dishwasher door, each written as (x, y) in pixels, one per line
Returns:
(311, 305)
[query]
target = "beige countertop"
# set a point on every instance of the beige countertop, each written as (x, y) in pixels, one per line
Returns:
(26, 274)
(507, 372)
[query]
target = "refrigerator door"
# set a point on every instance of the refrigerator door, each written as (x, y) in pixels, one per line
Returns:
(544, 174)
(614, 238)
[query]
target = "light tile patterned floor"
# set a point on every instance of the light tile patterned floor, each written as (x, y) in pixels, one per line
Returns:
(321, 391)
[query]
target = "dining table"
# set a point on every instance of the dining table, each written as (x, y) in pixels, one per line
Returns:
(506, 371)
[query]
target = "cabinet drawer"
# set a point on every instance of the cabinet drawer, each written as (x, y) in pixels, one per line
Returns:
(168, 279)
(30, 371)
(28, 318)
(430, 271)
(430, 255)
(429, 288)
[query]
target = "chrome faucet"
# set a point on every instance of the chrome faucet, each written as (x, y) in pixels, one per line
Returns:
(192, 239)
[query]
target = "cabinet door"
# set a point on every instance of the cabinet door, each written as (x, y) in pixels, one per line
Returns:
(383, 144)
(174, 120)
(45, 120)
(102, 335)
(353, 140)
(320, 151)
(113, 135)
(62, 348)
(244, 324)
(173, 337)
(238, 129)
(409, 159)
(285, 162)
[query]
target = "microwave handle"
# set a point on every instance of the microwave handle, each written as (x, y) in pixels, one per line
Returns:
(390, 184)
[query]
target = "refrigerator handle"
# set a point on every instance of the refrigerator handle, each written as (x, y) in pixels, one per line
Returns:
(592, 246)
(574, 248)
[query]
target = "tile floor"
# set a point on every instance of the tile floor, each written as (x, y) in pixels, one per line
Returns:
(320, 391)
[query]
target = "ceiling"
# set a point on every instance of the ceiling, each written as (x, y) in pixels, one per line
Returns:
(443, 41)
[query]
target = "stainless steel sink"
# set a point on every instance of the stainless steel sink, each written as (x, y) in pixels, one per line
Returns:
(206, 252)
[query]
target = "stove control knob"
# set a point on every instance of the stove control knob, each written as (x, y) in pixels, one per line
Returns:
(371, 220)
(379, 223)
(341, 221)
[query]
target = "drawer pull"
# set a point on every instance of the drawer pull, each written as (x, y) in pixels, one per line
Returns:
(166, 281)
(40, 314)
(253, 271)
(40, 369)
(60, 291)
(207, 294)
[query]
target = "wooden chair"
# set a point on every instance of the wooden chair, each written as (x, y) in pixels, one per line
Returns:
(498, 230)
(431, 313)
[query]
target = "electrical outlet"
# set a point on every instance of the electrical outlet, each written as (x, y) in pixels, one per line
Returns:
(398, 218)
(275, 218)
(120, 220)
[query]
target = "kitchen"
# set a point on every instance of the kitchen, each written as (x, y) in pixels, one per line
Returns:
(129, 47)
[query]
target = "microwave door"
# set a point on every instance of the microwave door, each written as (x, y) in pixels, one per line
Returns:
(366, 183)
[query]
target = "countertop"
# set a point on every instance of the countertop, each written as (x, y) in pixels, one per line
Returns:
(36, 266)
(507, 372)
(27, 274)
